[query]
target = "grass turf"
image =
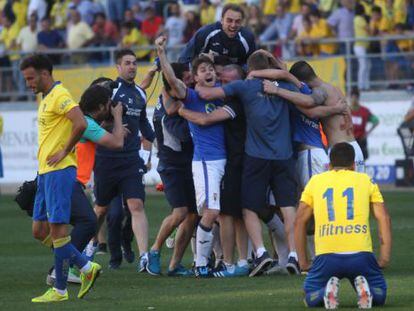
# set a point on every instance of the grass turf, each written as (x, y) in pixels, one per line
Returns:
(24, 264)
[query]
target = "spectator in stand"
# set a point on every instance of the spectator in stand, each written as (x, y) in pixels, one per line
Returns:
(17, 10)
(116, 9)
(361, 30)
(133, 38)
(207, 12)
(174, 27)
(79, 35)
(327, 6)
(49, 38)
(87, 9)
(341, 22)
(410, 14)
(151, 24)
(321, 30)
(8, 38)
(304, 46)
(361, 116)
(106, 33)
(129, 17)
(255, 20)
(27, 38)
(138, 13)
(279, 29)
(39, 7)
(293, 6)
(298, 21)
(59, 16)
(192, 25)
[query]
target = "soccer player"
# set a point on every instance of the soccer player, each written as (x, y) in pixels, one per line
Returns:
(209, 157)
(337, 127)
(120, 172)
(231, 219)
(226, 37)
(268, 160)
(61, 124)
(175, 153)
(341, 201)
(361, 116)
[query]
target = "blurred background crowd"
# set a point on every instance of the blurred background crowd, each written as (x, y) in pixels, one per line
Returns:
(295, 28)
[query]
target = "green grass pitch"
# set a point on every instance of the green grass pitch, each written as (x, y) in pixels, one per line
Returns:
(24, 264)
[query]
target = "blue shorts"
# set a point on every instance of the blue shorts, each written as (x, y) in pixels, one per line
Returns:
(260, 174)
(118, 176)
(179, 187)
(54, 196)
(345, 266)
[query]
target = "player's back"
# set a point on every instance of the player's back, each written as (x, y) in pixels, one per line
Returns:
(341, 202)
(337, 127)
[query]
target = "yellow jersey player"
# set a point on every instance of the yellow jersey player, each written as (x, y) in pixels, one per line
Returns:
(341, 200)
(60, 126)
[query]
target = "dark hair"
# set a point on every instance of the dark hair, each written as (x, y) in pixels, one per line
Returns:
(303, 71)
(123, 52)
(316, 13)
(359, 9)
(100, 80)
(232, 7)
(238, 68)
(38, 62)
(222, 60)
(342, 155)
(99, 14)
(258, 61)
(355, 92)
(179, 70)
(45, 19)
(198, 61)
(128, 25)
(376, 9)
(94, 97)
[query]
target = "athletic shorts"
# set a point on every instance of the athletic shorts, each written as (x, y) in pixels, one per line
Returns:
(54, 196)
(179, 187)
(345, 266)
(311, 162)
(207, 177)
(363, 144)
(359, 157)
(230, 197)
(118, 176)
(259, 175)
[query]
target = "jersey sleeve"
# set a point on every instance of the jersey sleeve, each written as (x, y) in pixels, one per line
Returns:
(234, 88)
(190, 98)
(307, 194)
(375, 194)
(64, 104)
(196, 44)
(93, 131)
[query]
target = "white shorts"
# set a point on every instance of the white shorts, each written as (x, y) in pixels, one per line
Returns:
(207, 177)
(359, 157)
(311, 162)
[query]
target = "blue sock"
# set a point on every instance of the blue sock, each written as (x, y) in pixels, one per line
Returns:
(65, 254)
(315, 299)
(378, 296)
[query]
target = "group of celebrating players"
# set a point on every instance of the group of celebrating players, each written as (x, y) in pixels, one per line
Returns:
(238, 138)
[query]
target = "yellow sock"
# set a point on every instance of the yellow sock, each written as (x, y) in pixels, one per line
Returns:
(61, 242)
(47, 241)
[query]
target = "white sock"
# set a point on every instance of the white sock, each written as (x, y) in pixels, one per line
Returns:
(61, 291)
(260, 251)
(294, 255)
(90, 249)
(230, 267)
(242, 263)
(86, 267)
(204, 246)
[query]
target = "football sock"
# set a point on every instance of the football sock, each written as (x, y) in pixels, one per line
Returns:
(60, 291)
(378, 296)
(48, 241)
(204, 245)
(260, 251)
(294, 255)
(315, 299)
(230, 267)
(242, 263)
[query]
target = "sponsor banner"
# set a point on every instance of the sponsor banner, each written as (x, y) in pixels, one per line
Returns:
(381, 174)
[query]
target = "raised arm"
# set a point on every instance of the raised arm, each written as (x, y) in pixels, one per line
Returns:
(319, 112)
(302, 100)
(275, 74)
(384, 232)
(146, 82)
(177, 86)
(205, 119)
(210, 93)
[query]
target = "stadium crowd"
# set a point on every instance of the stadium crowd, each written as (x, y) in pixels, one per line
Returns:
(40, 25)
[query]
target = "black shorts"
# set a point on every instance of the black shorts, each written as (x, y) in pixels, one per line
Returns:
(230, 197)
(118, 176)
(364, 147)
(179, 187)
(260, 174)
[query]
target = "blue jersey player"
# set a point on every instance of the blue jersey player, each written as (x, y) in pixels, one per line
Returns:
(209, 158)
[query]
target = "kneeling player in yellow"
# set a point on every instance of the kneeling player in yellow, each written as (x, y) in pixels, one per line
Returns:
(341, 200)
